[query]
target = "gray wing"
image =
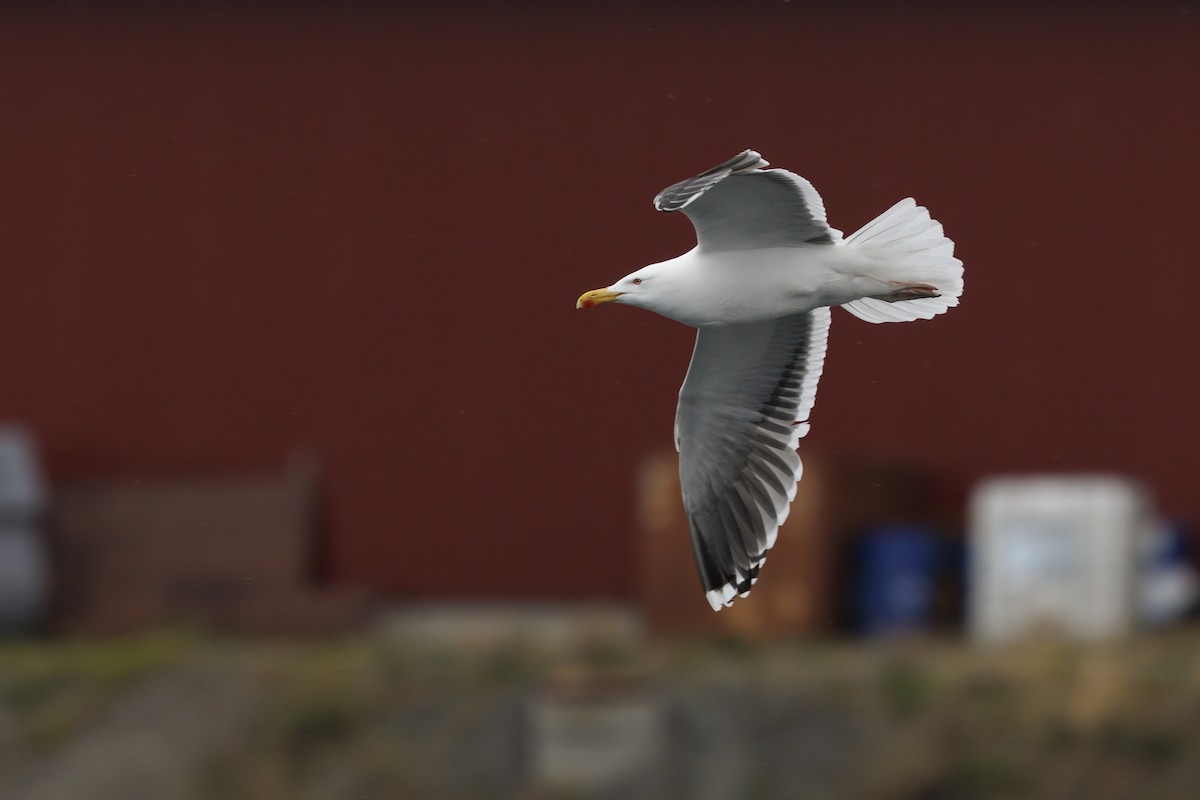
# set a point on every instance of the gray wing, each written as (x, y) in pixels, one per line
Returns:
(741, 206)
(742, 410)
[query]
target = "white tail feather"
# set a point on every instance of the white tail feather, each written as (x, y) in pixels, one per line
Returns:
(916, 251)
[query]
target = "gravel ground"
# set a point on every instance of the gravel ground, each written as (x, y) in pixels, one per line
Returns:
(147, 743)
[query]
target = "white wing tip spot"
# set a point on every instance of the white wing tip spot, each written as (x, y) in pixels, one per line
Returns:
(724, 596)
(719, 598)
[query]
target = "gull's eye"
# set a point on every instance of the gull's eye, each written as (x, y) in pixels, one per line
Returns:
(637, 281)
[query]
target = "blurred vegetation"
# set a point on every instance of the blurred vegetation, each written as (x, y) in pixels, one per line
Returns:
(377, 717)
(50, 690)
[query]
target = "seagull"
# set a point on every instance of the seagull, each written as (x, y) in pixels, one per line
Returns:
(758, 287)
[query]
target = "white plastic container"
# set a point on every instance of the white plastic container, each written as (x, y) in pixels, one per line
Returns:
(1056, 552)
(22, 491)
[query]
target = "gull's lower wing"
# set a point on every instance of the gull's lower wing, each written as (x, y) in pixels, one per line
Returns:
(742, 410)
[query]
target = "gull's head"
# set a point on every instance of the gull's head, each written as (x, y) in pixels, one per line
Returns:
(636, 289)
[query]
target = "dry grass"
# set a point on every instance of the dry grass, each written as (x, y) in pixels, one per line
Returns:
(373, 717)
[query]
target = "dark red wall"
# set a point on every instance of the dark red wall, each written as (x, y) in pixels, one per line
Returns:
(226, 232)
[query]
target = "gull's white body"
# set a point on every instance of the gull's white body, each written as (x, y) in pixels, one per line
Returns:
(699, 288)
(757, 287)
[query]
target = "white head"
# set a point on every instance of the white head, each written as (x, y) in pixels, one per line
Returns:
(649, 288)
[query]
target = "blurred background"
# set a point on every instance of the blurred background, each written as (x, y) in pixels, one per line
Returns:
(314, 484)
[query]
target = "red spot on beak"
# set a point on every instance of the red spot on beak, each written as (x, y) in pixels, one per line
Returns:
(588, 303)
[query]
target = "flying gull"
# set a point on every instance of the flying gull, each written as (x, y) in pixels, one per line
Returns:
(758, 287)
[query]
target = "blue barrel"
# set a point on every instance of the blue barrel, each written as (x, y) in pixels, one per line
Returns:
(896, 574)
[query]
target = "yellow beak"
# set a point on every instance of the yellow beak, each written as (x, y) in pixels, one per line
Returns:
(596, 297)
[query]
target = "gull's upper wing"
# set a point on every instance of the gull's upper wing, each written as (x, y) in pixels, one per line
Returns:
(741, 206)
(742, 409)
